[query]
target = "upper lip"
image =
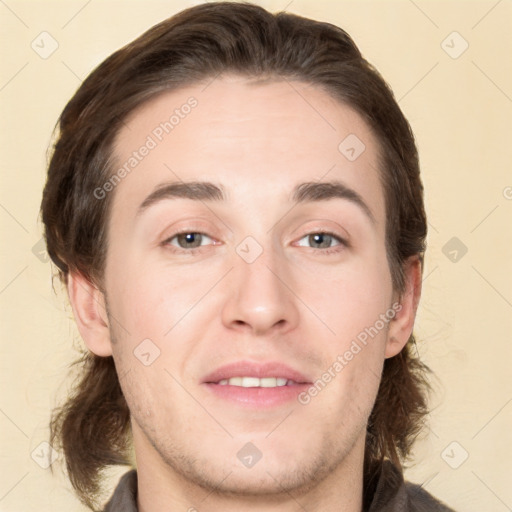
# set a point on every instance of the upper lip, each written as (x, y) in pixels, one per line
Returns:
(252, 369)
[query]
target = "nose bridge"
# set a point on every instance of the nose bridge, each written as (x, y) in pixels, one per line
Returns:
(260, 300)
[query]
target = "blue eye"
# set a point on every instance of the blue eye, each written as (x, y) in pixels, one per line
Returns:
(321, 240)
(188, 240)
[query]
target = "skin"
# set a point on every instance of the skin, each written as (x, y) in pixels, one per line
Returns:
(296, 303)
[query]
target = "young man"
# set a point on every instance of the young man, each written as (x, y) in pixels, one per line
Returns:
(234, 204)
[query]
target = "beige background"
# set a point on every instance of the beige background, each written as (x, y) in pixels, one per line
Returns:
(460, 109)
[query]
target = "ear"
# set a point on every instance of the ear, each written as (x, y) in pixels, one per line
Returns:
(400, 327)
(88, 304)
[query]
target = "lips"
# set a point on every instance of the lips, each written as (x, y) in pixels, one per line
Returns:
(247, 370)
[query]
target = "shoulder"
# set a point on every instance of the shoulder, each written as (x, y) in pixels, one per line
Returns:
(422, 501)
(124, 498)
(393, 494)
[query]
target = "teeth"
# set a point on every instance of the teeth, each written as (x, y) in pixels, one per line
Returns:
(254, 382)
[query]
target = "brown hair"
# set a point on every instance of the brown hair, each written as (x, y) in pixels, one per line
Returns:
(200, 43)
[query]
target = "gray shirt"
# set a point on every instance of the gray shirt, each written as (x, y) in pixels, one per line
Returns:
(390, 494)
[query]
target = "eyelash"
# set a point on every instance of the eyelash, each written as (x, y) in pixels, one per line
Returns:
(194, 250)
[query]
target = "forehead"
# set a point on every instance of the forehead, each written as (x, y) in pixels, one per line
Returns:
(254, 138)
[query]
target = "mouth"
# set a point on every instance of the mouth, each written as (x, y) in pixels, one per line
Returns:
(256, 385)
(255, 382)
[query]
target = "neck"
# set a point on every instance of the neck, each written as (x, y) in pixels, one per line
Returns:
(163, 489)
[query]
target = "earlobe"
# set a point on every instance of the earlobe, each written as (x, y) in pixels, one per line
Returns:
(401, 326)
(88, 304)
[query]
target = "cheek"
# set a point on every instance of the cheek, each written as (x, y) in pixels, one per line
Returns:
(352, 298)
(150, 301)
(349, 383)
(353, 303)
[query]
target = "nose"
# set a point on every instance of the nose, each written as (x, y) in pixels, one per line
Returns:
(261, 298)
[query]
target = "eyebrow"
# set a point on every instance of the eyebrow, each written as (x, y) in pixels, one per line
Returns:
(302, 193)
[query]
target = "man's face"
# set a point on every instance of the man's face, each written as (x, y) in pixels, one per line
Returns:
(254, 289)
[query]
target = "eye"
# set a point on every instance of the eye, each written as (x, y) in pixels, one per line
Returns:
(321, 240)
(188, 240)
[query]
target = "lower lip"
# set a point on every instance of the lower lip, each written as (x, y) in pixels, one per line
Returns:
(257, 397)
